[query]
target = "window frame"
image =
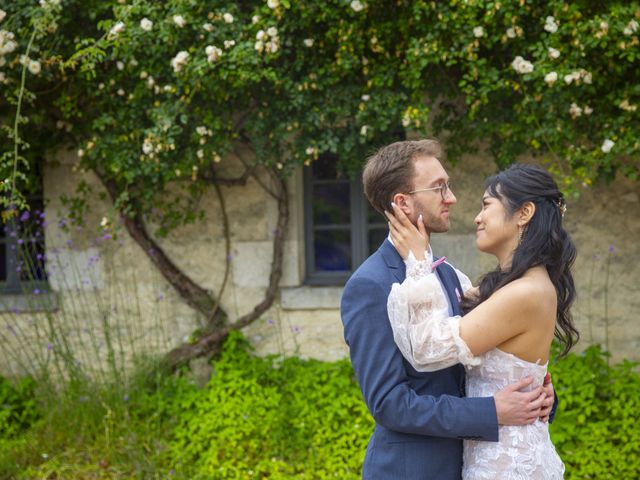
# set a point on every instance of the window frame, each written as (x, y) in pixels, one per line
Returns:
(359, 229)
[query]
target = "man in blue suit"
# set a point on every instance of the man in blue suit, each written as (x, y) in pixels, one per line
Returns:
(421, 418)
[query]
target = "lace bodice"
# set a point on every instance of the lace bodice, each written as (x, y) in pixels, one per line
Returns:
(429, 338)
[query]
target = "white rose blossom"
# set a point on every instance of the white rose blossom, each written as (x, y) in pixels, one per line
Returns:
(146, 24)
(553, 53)
(208, 27)
(147, 146)
(308, 42)
(607, 145)
(272, 31)
(179, 20)
(179, 61)
(7, 43)
(511, 32)
(357, 5)
(575, 111)
(522, 66)
(363, 130)
(34, 67)
(550, 25)
(2, 14)
(272, 4)
(117, 29)
(261, 35)
(365, 97)
(551, 78)
(228, 18)
(587, 110)
(625, 105)
(259, 46)
(119, 65)
(255, 19)
(229, 43)
(213, 53)
(631, 27)
(478, 32)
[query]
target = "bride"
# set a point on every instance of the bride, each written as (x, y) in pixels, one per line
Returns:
(510, 319)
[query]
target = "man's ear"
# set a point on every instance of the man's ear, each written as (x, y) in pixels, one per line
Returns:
(526, 213)
(400, 199)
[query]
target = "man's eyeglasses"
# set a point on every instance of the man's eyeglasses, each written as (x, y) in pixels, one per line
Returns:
(445, 188)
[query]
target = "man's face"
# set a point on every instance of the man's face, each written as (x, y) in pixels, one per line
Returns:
(429, 173)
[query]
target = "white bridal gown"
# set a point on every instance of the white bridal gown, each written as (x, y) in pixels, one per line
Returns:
(429, 339)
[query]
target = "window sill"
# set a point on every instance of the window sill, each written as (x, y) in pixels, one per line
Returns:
(310, 298)
(28, 303)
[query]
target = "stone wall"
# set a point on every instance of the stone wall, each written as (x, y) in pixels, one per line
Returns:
(94, 274)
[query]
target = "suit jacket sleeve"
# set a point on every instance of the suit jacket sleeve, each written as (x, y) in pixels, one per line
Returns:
(384, 383)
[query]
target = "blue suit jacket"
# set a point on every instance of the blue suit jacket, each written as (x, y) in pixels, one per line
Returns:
(421, 418)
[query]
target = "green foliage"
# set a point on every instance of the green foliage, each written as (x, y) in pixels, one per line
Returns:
(18, 409)
(156, 93)
(285, 419)
(596, 428)
(272, 418)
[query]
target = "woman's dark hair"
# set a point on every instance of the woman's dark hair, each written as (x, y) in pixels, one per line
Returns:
(544, 242)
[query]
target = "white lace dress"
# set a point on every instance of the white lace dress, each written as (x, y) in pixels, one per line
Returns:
(429, 339)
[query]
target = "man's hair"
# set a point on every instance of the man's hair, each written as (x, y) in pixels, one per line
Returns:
(390, 170)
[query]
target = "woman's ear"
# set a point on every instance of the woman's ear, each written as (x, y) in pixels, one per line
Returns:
(527, 210)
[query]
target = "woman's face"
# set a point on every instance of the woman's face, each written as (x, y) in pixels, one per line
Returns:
(496, 230)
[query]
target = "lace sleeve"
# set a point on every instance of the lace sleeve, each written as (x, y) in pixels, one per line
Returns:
(425, 334)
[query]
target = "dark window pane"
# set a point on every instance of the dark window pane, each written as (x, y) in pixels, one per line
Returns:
(331, 204)
(332, 250)
(3, 261)
(376, 237)
(324, 168)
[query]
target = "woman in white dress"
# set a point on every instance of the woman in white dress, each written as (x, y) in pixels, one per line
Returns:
(510, 319)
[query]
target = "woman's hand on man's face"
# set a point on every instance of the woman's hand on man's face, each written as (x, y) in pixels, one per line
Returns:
(406, 237)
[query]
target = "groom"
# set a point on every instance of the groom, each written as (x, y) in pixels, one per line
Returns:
(421, 418)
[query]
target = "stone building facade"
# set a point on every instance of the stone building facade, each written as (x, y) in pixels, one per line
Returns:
(94, 272)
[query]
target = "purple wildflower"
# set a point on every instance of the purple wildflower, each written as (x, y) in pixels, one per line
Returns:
(20, 241)
(25, 216)
(36, 291)
(49, 346)
(269, 321)
(107, 236)
(612, 249)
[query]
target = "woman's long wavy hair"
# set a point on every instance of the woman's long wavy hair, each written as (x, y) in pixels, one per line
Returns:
(544, 242)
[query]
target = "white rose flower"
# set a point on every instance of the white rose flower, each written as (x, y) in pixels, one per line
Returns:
(551, 78)
(208, 27)
(587, 110)
(273, 4)
(147, 146)
(478, 32)
(143, 75)
(228, 18)
(201, 130)
(119, 65)
(34, 67)
(625, 105)
(571, 77)
(229, 43)
(200, 153)
(255, 19)
(550, 25)
(146, 24)
(2, 14)
(522, 66)
(150, 82)
(365, 98)
(604, 26)
(511, 32)
(607, 145)
(272, 31)
(117, 29)
(213, 53)
(179, 20)
(308, 42)
(179, 60)
(357, 5)
(363, 130)
(261, 35)
(553, 53)
(100, 86)
(272, 46)
(80, 153)
(632, 26)
(575, 110)
(120, 92)
(259, 46)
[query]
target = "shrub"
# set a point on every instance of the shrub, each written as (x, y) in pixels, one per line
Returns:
(596, 427)
(273, 418)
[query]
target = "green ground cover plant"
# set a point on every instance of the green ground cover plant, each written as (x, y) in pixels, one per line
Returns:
(281, 418)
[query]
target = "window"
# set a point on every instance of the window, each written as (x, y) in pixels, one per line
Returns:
(341, 228)
(22, 249)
